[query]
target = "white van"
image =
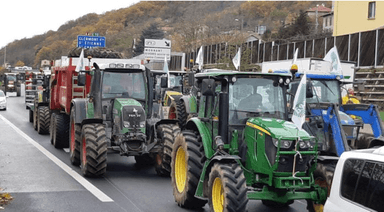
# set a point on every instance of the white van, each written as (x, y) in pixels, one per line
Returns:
(358, 182)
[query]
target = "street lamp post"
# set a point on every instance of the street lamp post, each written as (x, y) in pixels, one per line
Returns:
(242, 21)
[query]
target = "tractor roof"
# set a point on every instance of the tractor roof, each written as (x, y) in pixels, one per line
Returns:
(219, 72)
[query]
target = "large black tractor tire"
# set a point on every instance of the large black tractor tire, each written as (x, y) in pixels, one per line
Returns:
(181, 113)
(323, 176)
(93, 150)
(44, 120)
(187, 164)
(30, 115)
(166, 133)
(144, 160)
(363, 141)
(60, 131)
(227, 188)
(75, 139)
(95, 52)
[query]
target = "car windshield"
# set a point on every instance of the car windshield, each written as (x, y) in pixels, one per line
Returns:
(2, 94)
(325, 91)
(123, 85)
(255, 97)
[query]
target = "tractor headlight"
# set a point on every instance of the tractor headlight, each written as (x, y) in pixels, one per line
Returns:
(127, 124)
(284, 144)
(142, 124)
(307, 144)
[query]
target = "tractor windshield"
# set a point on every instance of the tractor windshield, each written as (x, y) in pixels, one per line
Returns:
(11, 77)
(325, 91)
(123, 85)
(255, 97)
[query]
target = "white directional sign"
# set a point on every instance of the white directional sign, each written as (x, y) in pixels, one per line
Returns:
(157, 49)
(157, 53)
(152, 43)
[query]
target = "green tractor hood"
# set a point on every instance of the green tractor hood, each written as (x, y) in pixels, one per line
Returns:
(277, 128)
(131, 113)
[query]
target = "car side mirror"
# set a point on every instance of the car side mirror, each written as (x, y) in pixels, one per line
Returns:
(81, 78)
(208, 87)
(164, 82)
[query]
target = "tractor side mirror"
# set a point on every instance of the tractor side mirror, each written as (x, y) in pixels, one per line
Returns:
(81, 78)
(208, 87)
(191, 79)
(164, 82)
(309, 91)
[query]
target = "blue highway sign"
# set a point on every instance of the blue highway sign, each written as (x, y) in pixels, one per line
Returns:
(85, 41)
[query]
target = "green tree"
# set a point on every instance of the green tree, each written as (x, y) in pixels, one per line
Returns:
(152, 32)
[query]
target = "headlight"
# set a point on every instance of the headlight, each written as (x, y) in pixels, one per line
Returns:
(285, 144)
(307, 144)
(126, 124)
(142, 124)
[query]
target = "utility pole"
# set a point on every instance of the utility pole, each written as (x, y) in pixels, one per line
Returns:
(5, 56)
(317, 22)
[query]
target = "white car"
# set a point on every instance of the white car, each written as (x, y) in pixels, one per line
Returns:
(358, 182)
(3, 100)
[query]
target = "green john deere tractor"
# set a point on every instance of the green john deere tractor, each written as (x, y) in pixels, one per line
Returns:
(242, 147)
(118, 115)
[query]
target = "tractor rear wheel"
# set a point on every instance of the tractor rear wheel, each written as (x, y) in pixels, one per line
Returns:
(30, 115)
(187, 164)
(166, 132)
(323, 176)
(93, 150)
(61, 131)
(227, 188)
(75, 138)
(44, 118)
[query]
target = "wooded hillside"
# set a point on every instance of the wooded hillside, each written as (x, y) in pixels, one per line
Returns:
(188, 24)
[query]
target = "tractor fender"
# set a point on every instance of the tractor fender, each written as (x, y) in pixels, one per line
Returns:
(376, 142)
(80, 109)
(189, 103)
(165, 121)
(196, 124)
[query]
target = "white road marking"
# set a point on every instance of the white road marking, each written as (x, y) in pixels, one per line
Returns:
(87, 185)
(301, 202)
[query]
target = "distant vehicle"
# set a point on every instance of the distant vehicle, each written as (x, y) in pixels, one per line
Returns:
(358, 182)
(3, 100)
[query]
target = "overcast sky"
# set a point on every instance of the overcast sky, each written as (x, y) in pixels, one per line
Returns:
(25, 18)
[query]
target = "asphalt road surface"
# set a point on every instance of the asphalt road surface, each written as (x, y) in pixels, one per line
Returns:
(40, 177)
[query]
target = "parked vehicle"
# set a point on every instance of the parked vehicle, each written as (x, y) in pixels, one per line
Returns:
(242, 146)
(358, 182)
(3, 100)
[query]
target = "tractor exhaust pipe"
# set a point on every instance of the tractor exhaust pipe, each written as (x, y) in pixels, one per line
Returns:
(223, 116)
(95, 92)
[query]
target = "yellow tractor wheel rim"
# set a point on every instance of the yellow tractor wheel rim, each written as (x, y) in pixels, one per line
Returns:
(180, 170)
(217, 196)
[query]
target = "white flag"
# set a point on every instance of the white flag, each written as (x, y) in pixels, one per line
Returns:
(298, 117)
(333, 57)
(166, 69)
(80, 64)
(200, 58)
(295, 56)
(236, 59)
